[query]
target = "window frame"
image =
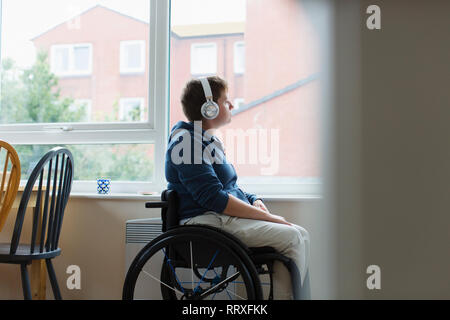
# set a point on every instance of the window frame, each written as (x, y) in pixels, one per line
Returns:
(125, 69)
(194, 68)
(72, 72)
(153, 131)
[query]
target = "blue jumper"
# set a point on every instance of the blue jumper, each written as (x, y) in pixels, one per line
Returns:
(197, 169)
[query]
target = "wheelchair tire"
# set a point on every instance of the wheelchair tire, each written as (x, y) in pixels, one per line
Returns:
(181, 251)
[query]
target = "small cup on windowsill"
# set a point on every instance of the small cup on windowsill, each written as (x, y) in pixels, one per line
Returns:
(103, 185)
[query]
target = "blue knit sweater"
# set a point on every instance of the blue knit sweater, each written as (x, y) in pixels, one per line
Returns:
(197, 169)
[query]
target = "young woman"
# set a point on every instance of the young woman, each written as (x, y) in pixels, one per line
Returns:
(196, 167)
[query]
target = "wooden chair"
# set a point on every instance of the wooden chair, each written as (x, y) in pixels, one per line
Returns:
(54, 175)
(10, 180)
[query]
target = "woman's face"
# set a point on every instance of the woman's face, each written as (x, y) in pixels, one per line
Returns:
(225, 107)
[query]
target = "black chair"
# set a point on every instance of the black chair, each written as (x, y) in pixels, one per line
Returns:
(174, 245)
(54, 175)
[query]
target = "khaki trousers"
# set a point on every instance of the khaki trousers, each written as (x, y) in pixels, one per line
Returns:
(291, 241)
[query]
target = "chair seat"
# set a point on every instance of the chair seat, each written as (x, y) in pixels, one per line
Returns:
(23, 253)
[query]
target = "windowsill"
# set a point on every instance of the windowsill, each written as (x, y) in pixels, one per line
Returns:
(156, 197)
(115, 196)
(132, 73)
(74, 75)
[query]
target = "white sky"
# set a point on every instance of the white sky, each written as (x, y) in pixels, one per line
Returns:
(24, 19)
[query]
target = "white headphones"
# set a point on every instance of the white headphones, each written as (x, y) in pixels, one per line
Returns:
(210, 109)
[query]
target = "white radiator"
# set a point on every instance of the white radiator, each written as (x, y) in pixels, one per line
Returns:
(139, 232)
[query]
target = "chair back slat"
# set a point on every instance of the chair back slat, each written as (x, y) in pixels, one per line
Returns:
(5, 173)
(52, 207)
(58, 205)
(67, 175)
(37, 212)
(45, 210)
(56, 168)
(10, 180)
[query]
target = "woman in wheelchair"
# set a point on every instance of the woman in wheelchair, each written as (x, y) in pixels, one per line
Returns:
(220, 242)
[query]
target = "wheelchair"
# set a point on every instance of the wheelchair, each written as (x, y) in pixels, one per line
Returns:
(199, 262)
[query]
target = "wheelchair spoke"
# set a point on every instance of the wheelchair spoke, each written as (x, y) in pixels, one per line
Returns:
(148, 274)
(192, 265)
(220, 284)
(173, 270)
(210, 263)
(233, 293)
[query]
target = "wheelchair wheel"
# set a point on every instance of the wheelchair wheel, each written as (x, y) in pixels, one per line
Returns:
(194, 264)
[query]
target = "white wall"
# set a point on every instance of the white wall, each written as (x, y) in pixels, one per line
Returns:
(390, 141)
(405, 149)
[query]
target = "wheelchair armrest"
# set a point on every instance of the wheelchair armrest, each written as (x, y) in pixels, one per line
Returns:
(156, 204)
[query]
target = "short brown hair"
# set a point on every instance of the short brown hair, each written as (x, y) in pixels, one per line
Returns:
(193, 96)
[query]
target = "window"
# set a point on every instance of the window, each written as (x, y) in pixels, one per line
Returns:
(238, 102)
(132, 56)
(83, 108)
(274, 141)
(44, 78)
(203, 58)
(131, 109)
(47, 100)
(71, 59)
(239, 57)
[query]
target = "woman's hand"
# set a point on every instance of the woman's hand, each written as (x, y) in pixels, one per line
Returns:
(259, 204)
(278, 219)
(269, 216)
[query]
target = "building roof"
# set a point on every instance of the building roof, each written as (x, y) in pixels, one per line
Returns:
(182, 31)
(201, 30)
(98, 6)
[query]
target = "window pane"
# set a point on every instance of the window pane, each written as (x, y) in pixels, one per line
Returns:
(83, 108)
(81, 58)
(61, 60)
(204, 59)
(131, 109)
(72, 48)
(118, 162)
(239, 57)
(133, 56)
(274, 133)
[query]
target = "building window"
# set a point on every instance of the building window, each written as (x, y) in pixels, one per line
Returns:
(132, 56)
(82, 108)
(71, 59)
(203, 58)
(131, 109)
(238, 102)
(239, 57)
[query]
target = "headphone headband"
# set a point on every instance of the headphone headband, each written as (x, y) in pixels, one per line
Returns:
(206, 88)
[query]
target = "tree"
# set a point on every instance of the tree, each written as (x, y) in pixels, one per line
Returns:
(33, 96)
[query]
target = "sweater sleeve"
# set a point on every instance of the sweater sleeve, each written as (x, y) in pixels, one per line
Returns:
(203, 184)
(251, 197)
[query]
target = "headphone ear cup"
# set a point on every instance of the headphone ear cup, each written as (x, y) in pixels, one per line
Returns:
(210, 110)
